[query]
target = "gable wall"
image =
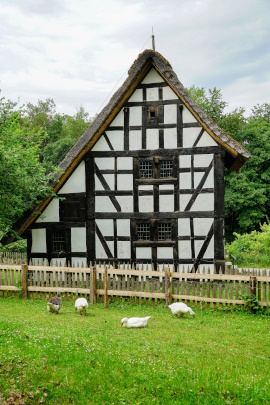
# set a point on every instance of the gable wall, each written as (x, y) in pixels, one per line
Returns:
(116, 198)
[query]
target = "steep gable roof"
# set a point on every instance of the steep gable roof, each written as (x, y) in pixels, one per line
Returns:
(147, 60)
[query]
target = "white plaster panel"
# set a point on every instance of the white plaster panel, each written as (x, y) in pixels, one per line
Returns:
(170, 114)
(117, 139)
(143, 253)
(187, 116)
(78, 240)
(125, 182)
(146, 203)
(168, 94)
(198, 245)
(197, 178)
(137, 95)
(152, 138)
(152, 77)
(209, 182)
(118, 120)
(152, 94)
(39, 241)
(76, 181)
(104, 204)
(166, 187)
(189, 136)
(123, 250)
(210, 249)
(184, 181)
(165, 253)
(204, 202)
(51, 212)
(126, 202)
(206, 140)
(109, 179)
(105, 163)
(105, 226)
(60, 262)
(145, 187)
(184, 249)
(123, 227)
(184, 199)
(202, 226)
(185, 161)
(203, 160)
(124, 163)
(101, 145)
(100, 252)
(135, 116)
(183, 227)
(170, 138)
(39, 261)
(135, 140)
(79, 262)
(166, 203)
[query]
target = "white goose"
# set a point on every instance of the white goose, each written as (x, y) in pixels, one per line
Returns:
(135, 322)
(54, 303)
(179, 308)
(81, 305)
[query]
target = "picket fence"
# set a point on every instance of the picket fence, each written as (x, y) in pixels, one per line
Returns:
(141, 284)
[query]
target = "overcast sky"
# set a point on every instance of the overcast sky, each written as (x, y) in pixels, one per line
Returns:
(76, 51)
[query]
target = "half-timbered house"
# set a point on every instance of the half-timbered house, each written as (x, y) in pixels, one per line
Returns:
(144, 183)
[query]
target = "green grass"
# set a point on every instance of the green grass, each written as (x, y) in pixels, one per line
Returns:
(215, 358)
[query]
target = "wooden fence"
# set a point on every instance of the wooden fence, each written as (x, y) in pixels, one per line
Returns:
(138, 285)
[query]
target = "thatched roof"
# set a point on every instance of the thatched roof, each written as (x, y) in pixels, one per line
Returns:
(148, 59)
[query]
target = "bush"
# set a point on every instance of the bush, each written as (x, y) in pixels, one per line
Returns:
(253, 249)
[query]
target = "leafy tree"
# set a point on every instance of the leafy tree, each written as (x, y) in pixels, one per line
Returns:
(261, 111)
(247, 199)
(22, 176)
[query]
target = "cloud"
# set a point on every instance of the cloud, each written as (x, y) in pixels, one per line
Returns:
(76, 51)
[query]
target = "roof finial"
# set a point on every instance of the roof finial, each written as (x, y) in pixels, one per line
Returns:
(153, 39)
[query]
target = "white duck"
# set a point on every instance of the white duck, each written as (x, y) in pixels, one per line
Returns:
(81, 305)
(135, 322)
(179, 308)
(54, 303)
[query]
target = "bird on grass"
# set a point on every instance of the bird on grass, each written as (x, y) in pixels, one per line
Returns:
(81, 305)
(180, 309)
(54, 303)
(135, 322)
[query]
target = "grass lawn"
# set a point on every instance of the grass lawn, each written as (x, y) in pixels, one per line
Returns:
(217, 357)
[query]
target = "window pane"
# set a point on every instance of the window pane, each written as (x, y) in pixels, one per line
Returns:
(146, 169)
(166, 168)
(59, 241)
(164, 231)
(143, 231)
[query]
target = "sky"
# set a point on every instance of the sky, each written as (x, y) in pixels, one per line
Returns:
(78, 52)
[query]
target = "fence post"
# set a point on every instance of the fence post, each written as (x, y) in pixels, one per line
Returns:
(168, 296)
(253, 282)
(24, 271)
(106, 287)
(93, 285)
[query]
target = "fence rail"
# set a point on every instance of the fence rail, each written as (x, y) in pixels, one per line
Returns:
(104, 283)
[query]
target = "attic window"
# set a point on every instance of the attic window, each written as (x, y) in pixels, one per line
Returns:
(152, 114)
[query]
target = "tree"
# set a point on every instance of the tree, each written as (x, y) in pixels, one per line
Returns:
(22, 176)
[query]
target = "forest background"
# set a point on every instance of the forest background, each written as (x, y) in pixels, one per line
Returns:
(35, 138)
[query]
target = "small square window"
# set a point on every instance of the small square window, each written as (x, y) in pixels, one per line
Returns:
(59, 241)
(143, 231)
(164, 231)
(146, 169)
(166, 168)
